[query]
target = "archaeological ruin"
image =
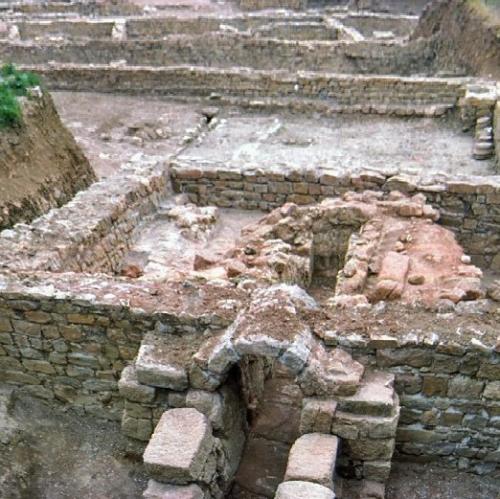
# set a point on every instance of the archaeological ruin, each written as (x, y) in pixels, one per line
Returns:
(249, 249)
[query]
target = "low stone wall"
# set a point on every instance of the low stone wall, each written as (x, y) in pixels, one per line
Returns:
(69, 342)
(323, 92)
(470, 207)
(92, 232)
(449, 395)
(69, 338)
(70, 29)
(227, 50)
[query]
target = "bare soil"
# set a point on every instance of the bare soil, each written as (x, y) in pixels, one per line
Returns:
(347, 143)
(112, 128)
(46, 453)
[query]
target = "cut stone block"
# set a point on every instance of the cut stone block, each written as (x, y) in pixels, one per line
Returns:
(303, 490)
(312, 459)
(130, 388)
(317, 415)
(157, 490)
(369, 449)
(330, 373)
(159, 363)
(351, 426)
(377, 471)
(180, 449)
(375, 396)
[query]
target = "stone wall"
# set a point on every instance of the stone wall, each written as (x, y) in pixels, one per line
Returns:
(470, 207)
(71, 29)
(68, 344)
(323, 92)
(449, 396)
(225, 50)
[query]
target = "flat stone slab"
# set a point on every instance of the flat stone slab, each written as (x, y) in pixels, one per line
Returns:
(303, 490)
(375, 396)
(180, 448)
(312, 459)
(157, 490)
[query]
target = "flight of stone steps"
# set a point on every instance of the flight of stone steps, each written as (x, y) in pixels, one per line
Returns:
(237, 415)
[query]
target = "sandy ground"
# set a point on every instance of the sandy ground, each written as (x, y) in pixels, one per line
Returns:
(344, 142)
(112, 128)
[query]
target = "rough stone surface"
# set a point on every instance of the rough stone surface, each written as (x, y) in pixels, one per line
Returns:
(180, 448)
(300, 490)
(312, 459)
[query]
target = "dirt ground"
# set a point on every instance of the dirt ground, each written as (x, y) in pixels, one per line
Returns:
(112, 128)
(46, 453)
(343, 142)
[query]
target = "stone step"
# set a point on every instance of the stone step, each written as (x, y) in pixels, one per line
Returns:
(312, 458)
(181, 449)
(303, 490)
(375, 396)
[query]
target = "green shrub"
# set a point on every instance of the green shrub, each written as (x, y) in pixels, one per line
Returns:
(10, 111)
(13, 84)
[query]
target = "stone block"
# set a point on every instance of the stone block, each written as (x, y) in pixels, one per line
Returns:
(375, 396)
(463, 387)
(312, 459)
(366, 449)
(209, 404)
(130, 388)
(330, 373)
(154, 369)
(317, 415)
(302, 490)
(372, 490)
(140, 429)
(157, 490)
(180, 448)
(492, 390)
(435, 386)
(378, 471)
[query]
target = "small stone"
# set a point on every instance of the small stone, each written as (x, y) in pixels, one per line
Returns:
(416, 279)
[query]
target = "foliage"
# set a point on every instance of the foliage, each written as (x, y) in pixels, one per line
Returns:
(13, 84)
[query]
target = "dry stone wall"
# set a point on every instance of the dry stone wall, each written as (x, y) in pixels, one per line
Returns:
(449, 396)
(323, 92)
(225, 50)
